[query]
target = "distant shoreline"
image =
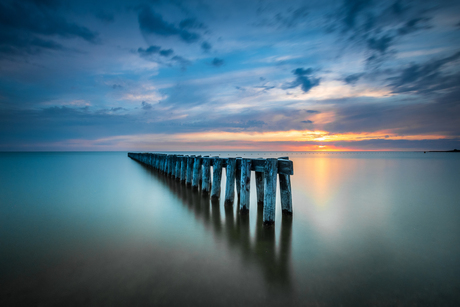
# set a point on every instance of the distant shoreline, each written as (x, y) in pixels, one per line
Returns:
(455, 150)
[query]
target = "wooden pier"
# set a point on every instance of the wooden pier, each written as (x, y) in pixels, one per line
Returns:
(195, 172)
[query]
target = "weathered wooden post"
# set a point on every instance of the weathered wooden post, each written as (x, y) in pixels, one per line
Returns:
(245, 184)
(183, 168)
(206, 176)
(216, 178)
(285, 193)
(177, 168)
(238, 178)
(270, 174)
(196, 172)
(167, 160)
(230, 184)
(260, 183)
(260, 188)
(162, 164)
(189, 170)
(170, 165)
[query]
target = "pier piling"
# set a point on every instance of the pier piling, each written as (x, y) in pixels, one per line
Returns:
(206, 176)
(230, 184)
(216, 178)
(195, 172)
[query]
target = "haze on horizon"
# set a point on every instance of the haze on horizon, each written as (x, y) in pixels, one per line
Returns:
(229, 75)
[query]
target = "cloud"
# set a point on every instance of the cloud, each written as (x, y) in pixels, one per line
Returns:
(206, 46)
(351, 10)
(181, 60)
(117, 109)
(377, 26)
(313, 111)
(30, 27)
(191, 23)
(437, 116)
(149, 51)
(353, 78)
(306, 83)
(152, 23)
(380, 44)
(415, 24)
(217, 62)
(117, 86)
(289, 19)
(426, 77)
(146, 106)
(105, 17)
(166, 52)
(307, 122)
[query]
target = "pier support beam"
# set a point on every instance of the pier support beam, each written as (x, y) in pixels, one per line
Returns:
(260, 188)
(196, 177)
(177, 168)
(238, 178)
(190, 161)
(230, 184)
(183, 168)
(270, 174)
(216, 178)
(285, 193)
(245, 184)
(206, 177)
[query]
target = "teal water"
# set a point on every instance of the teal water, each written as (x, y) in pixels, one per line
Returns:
(100, 229)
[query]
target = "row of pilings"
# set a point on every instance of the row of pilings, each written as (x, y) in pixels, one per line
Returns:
(195, 172)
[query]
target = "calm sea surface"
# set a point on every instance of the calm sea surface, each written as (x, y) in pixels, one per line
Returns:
(100, 229)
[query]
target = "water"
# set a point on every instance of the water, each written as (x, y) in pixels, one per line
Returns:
(99, 229)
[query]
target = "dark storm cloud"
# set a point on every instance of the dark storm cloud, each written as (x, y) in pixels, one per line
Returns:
(151, 22)
(27, 27)
(426, 77)
(303, 79)
(217, 62)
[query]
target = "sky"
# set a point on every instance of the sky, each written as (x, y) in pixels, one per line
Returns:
(182, 75)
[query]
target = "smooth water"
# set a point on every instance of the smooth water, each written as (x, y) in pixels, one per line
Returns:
(100, 229)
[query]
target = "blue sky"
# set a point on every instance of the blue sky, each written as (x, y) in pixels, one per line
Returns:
(242, 75)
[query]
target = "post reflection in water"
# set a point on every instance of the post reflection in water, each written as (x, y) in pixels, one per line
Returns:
(235, 229)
